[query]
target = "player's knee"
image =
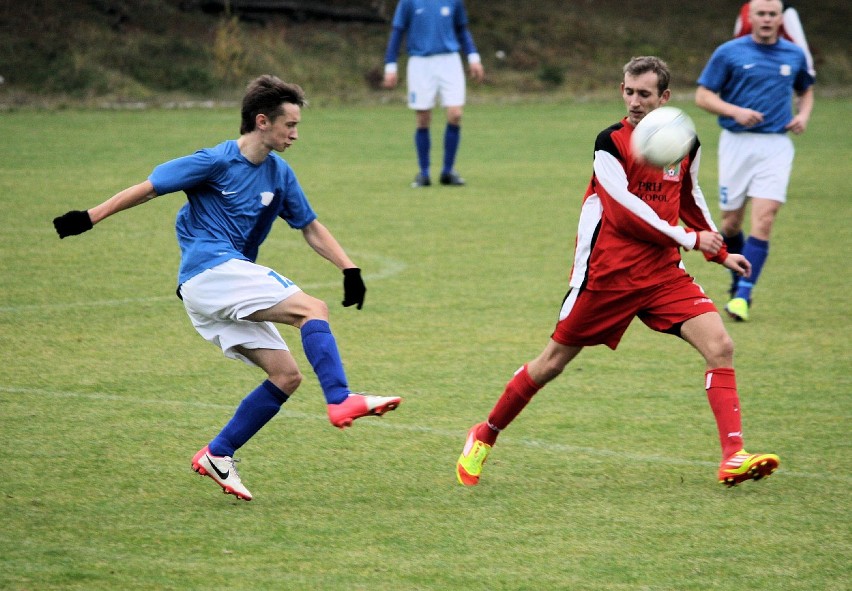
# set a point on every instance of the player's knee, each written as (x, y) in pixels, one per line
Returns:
(721, 353)
(314, 309)
(319, 309)
(288, 381)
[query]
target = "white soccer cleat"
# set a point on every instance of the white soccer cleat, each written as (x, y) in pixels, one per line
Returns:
(223, 470)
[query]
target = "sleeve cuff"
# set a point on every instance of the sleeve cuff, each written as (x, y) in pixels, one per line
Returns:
(390, 68)
(473, 58)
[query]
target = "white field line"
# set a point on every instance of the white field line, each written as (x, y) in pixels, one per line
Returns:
(549, 447)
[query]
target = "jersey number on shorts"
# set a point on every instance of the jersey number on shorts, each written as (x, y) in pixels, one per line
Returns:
(282, 280)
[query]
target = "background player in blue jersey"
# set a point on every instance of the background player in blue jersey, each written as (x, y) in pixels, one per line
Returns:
(235, 192)
(791, 29)
(435, 31)
(749, 83)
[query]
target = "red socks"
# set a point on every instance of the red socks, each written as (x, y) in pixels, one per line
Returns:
(519, 391)
(721, 386)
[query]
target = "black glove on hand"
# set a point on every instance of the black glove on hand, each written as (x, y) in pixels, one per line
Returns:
(72, 223)
(353, 288)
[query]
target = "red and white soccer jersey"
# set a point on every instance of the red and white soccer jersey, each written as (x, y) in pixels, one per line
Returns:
(627, 260)
(628, 235)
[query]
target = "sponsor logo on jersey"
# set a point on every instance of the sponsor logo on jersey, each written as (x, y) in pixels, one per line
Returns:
(651, 191)
(671, 173)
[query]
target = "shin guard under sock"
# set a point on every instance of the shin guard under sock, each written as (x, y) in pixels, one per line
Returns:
(254, 412)
(518, 393)
(721, 386)
(321, 351)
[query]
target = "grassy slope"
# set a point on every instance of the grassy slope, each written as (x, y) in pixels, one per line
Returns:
(151, 50)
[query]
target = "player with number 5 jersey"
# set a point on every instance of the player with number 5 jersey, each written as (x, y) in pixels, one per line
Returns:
(750, 83)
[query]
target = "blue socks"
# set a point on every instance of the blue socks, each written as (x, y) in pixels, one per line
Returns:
(423, 143)
(735, 243)
(452, 137)
(321, 351)
(265, 401)
(254, 412)
(756, 251)
(735, 246)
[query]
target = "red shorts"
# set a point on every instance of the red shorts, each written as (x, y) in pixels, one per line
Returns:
(591, 318)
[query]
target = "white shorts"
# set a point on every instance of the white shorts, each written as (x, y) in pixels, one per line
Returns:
(433, 75)
(218, 299)
(753, 165)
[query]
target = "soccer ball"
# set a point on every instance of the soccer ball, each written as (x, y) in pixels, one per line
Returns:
(664, 136)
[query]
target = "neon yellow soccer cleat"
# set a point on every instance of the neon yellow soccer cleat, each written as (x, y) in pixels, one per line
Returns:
(737, 309)
(474, 454)
(743, 466)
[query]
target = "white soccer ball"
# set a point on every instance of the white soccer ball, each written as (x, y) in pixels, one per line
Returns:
(664, 136)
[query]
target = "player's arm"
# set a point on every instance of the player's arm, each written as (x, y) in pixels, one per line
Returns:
(391, 75)
(326, 245)
(77, 222)
(474, 61)
(628, 212)
(711, 102)
(738, 264)
(695, 213)
(799, 123)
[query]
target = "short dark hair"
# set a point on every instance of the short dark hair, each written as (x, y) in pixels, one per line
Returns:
(648, 63)
(265, 95)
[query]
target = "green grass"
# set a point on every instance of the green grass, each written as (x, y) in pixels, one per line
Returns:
(605, 482)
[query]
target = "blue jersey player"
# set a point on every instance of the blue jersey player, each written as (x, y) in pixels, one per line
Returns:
(235, 192)
(435, 32)
(749, 82)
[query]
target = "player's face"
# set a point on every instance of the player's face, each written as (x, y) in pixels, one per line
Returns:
(641, 95)
(282, 132)
(766, 17)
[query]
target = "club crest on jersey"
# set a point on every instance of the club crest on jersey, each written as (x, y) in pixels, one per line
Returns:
(672, 172)
(266, 198)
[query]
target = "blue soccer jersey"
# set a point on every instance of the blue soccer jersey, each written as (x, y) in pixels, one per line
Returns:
(231, 206)
(759, 77)
(432, 27)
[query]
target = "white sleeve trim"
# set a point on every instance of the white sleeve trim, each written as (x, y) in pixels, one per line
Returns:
(613, 178)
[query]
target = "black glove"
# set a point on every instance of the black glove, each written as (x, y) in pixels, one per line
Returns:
(353, 288)
(72, 223)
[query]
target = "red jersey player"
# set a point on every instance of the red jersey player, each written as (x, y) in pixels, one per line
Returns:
(627, 264)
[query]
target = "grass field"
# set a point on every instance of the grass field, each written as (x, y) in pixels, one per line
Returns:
(605, 482)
